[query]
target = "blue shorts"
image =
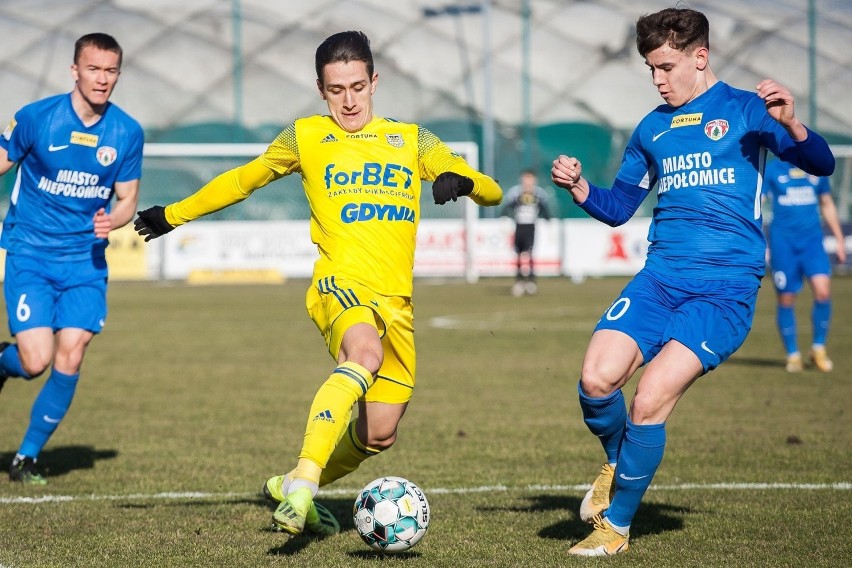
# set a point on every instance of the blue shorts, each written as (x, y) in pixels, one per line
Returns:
(792, 257)
(55, 294)
(710, 317)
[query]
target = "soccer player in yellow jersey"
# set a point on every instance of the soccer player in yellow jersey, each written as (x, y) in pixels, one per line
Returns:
(362, 177)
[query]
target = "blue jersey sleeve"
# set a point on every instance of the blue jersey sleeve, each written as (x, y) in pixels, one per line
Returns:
(616, 206)
(812, 154)
(20, 136)
(131, 168)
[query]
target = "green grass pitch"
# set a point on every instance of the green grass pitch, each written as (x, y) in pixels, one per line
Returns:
(193, 396)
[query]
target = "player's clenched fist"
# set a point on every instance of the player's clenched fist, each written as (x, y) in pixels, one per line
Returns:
(566, 171)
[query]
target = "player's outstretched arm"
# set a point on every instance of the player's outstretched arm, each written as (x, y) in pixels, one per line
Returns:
(613, 207)
(222, 191)
(450, 185)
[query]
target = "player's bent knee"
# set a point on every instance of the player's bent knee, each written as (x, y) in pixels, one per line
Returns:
(381, 444)
(595, 384)
(34, 363)
(34, 369)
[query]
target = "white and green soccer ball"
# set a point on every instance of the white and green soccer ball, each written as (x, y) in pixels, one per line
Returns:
(391, 514)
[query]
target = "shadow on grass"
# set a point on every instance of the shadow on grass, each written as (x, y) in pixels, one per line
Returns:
(650, 519)
(342, 511)
(64, 459)
(756, 362)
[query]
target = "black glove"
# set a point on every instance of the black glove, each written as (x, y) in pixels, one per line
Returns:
(450, 185)
(152, 223)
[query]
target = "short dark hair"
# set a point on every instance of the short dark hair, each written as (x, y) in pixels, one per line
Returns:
(99, 40)
(344, 47)
(681, 28)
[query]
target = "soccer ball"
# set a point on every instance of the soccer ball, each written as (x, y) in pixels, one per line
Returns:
(391, 514)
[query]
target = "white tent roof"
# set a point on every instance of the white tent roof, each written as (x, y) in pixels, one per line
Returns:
(583, 66)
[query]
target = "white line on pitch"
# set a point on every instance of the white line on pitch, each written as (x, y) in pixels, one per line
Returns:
(843, 486)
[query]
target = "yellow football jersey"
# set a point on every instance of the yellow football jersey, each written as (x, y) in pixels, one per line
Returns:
(363, 189)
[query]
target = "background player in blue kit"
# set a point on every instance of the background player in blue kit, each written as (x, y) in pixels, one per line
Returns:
(74, 153)
(796, 250)
(692, 304)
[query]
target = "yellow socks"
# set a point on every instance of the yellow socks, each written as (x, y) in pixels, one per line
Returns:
(347, 456)
(331, 411)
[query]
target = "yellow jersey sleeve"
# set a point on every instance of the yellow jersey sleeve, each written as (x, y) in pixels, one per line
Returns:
(280, 159)
(225, 189)
(436, 157)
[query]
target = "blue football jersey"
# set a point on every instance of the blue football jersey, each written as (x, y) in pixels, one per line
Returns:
(706, 159)
(794, 195)
(66, 171)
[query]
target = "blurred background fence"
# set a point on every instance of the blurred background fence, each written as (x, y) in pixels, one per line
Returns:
(525, 80)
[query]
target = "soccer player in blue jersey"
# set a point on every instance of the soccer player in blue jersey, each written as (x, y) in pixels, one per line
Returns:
(74, 153)
(796, 250)
(692, 304)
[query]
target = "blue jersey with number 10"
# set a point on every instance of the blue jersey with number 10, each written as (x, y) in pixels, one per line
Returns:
(66, 172)
(707, 159)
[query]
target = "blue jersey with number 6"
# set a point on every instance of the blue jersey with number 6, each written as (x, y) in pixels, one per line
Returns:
(69, 173)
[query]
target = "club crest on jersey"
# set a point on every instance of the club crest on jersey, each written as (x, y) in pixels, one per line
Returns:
(106, 155)
(716, 129)
(395, 140)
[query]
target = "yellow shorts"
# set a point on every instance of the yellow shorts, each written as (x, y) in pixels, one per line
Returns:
(336, 304)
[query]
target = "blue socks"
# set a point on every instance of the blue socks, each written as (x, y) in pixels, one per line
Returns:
(637, 451)
(820, 317)
(640, 456)
(10, 363)
(605, 418)
(48, 410)
(786, 320)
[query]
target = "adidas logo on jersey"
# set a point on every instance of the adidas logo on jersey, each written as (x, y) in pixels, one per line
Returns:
(329, 138)
(324, 415)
